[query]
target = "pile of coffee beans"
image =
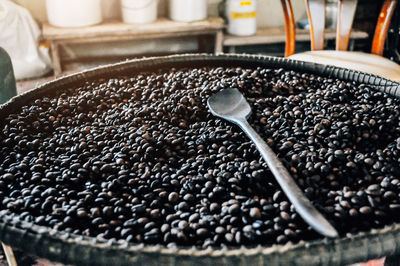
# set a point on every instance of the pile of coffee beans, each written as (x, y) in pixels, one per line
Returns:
(141, 159)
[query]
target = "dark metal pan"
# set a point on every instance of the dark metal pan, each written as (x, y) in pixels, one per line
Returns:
(75, 249)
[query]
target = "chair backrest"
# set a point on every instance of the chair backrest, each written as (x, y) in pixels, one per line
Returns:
(346, 11)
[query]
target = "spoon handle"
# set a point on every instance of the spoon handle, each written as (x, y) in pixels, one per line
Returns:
(302, 204)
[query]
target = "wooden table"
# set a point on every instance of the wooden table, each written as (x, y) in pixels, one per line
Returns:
(116, 31)
(277, 35)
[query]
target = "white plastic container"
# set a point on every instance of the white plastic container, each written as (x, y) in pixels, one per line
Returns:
(139, 11)
(241, 16)
(187, 10)
(73, 13)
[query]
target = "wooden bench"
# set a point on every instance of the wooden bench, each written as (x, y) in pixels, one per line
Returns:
(116, 31)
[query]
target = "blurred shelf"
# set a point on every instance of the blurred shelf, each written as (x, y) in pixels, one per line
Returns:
(120, 29)
(117, 31)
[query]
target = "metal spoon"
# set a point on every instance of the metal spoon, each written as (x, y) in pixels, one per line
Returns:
(230, 105)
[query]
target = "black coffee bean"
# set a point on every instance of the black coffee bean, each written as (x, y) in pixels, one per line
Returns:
(229, 237)
(373, 190)
(285, 216)
(8, 177)
(220, 230)
(365, 210)
(194, 217)
(234, 209)
(395, 207)
(214, 207)
(368, 161)
(183, 206)
(202, 232)
(173, 197)
(107, 211)
(277, 196)
(152, 236)
(255, 213)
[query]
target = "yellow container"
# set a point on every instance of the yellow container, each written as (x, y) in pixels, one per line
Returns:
(241, 16)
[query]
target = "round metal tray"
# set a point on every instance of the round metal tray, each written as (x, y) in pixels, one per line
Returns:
(75, 249)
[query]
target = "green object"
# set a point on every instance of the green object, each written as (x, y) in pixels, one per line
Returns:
(8, 87)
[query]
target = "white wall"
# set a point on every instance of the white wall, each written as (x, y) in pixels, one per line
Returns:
(37, 8)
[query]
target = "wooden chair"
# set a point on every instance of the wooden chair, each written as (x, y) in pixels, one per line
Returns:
(372, 63)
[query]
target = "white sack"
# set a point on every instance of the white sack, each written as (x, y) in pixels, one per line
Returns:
(19, 36)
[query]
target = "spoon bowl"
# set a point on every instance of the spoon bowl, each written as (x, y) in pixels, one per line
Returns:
(229, 104)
